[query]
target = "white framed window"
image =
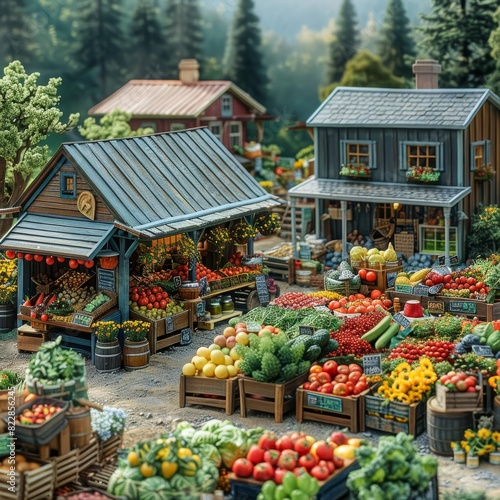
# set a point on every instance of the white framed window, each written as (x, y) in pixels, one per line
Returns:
(148, 125)
(234, 134)
(216, 129)
(421, 154)
(177, 126)
(358, 152)
(226, 105)
(479, 154)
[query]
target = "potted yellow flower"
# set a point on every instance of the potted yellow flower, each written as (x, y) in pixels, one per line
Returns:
(136, 344)
(107, 352)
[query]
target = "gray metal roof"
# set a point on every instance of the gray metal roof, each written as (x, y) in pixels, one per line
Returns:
(409, 108)
(62, 236)
(380, 192)
(169, 183)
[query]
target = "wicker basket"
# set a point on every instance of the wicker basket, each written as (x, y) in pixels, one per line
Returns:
(382, 235)
(189, 291)
(113, 300)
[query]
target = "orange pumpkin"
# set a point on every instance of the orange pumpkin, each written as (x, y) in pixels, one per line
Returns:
(108, 262)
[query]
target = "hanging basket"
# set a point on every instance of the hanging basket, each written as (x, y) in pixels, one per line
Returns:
(382, 235)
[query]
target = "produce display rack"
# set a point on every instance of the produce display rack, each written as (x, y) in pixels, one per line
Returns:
(332, 488)
(214, 392)
(381, 281)
(210, 325)
(34, 484)
(330, 409)
(59, 445)
(66, 468)
(97, 476)
(88, 455)
(108, 449)
(276, 399)
(460, 401)
(29, 339)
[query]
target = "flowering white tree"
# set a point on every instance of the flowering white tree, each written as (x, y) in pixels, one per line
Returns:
(28, 114)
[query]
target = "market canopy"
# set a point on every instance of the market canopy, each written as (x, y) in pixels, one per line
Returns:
(62, 236)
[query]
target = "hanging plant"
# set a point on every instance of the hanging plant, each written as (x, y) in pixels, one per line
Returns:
(218, 237)
(152, 257)
(187, 249)
(242, 231)
(267, 224)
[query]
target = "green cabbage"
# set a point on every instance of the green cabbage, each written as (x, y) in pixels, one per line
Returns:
(210, 453)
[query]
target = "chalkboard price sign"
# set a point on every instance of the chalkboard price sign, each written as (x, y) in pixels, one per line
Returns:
(453, 260)
(441, 270)
(169, 324)
(462, 307)
(262, 291)
(106, 279)
(177, 281)
(435, 289)
(186, 336)
(404, 288)
(305, 251)
(435, 307)
(402, 320)
(421, 290)
(200, 308)
(483, 350)
(82, 319)
(391, 278)
(306, 330)
(324, 402)
(372, 364)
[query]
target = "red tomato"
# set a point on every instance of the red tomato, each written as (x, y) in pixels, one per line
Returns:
(256, 454)
(371, 276)
(302, 446)
(471, 381)
(350, 387)
(360, 387)
(343, 369)
(327, 388)
(354, 367)
(340, 389)
(331, 367)
(307, 461)
(362, 273)
(163, 304)
(242, 467)
(267, 441)
(324, 378)
(342, 378)
(354, 376)
(320, 472)
(278, 475)
(44, 317)
(10, 254)
(134, 297)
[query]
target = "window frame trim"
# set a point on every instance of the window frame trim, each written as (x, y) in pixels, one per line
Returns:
(487, 153)
(62, 184)
(220, 124)
(372, 151)
(229, 98)
(403, 156)
(240, 133)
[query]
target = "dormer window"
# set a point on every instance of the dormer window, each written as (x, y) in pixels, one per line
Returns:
(227, 105)
(68, 185)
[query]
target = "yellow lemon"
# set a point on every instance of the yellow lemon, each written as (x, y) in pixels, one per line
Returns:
(232, 371)
(234, 354)
(204, 352)
(209, 369)
(188, 369)
(200, 362)
(217, 357)
(228, 360)
(221, 371)
(214, 347)
(242, 338)
(237, 364)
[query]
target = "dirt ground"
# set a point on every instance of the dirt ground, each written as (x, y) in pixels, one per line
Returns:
(151, 399)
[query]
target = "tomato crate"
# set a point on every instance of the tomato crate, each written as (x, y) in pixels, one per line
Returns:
(346, 411)
(394, 417)
(205, 391)
(269, 398)
(332, 488)
(381, 282)
(460, 401)
(164, 332)
(37, 484)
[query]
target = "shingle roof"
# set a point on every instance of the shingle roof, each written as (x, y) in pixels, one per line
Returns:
(415, 108)
(168, 183)
(170, 98)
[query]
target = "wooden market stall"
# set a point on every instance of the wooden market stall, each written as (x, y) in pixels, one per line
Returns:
(96, 201)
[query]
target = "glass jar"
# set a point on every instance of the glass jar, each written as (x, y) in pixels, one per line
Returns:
(215, 308)
(227, 304)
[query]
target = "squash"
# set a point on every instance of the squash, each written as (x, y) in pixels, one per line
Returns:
(108, 262)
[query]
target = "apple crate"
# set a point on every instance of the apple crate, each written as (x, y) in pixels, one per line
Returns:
(394, 417)
(37, 484)
(214, 392)
(164, 332)
(346, 411)
(332, 488)
(460, 401)
(269, 398)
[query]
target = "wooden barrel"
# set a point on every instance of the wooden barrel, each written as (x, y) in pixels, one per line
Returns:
(135, 355)
(303, 278)
(80, 426)
(107, 356)
(444, 427)
(7, 318)
(73, 389)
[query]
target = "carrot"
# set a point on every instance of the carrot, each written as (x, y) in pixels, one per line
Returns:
(40, 299)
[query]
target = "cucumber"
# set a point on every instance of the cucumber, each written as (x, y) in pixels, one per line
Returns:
(378, 329)
(385, 339)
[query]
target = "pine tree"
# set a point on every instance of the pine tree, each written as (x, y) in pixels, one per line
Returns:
(183, 33)
(396, 47)
(247, 68)
(100, 44)
(456, 34)
(345, 42)
(148, 42)
(16, 32)
(494, 42)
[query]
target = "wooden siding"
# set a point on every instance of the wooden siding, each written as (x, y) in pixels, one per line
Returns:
(386, 151)
(162, 124)
(239, 108)
(50, 202)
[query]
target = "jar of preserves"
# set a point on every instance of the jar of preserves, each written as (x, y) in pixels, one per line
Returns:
(215, 308)
(227, 304)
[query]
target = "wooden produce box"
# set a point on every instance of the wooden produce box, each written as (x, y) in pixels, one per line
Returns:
(96, 313)
(205, 391)
(65, 468)
(381, 281)
(269, 398)
(15, 401)
(330, 409)
(460, 401)
(164, 332)
(332, 488)
(394, 417)
(108, 449)
(37, 484)
(89, 454)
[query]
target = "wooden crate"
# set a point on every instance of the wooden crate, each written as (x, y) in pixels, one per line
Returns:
(381, 282)
(35, 484)
(210, 325)
(88, 455)
(30, 339)
(58, 445)
(164, 332)
(200, 391)
(269, 398)
(394, 417)
(65, 468)
(336, 213)
(108, 449)
(98, 476)
(460, 401)
(16, 400)
(283, 269)
(330, 409)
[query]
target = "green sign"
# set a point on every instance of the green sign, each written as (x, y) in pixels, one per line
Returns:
(82, 319)
(462, 307)
(404, 288)
(324, 402)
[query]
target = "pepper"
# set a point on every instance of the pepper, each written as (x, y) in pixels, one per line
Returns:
(299, 495)
(308, 484)
(280, 493)
(268, 490)
(289, 482)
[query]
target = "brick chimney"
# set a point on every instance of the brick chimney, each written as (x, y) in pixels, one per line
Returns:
(188, 71)
(426, 73)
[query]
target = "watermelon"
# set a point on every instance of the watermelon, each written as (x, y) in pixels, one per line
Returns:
(154, 488)
(125, 481)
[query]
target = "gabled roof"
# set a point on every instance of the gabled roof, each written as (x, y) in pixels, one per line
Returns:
(408, 108)
(164, 184)
(171, 98)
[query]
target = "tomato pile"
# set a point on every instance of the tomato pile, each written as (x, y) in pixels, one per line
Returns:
(235, 270)
(349, 333)
(367, 275)
(358, 303)
(149, 297)
(332, 378)
(467, 284)
(38, 414)
(299, 300)
(201, 272)
(459, 381)
(436, 350)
